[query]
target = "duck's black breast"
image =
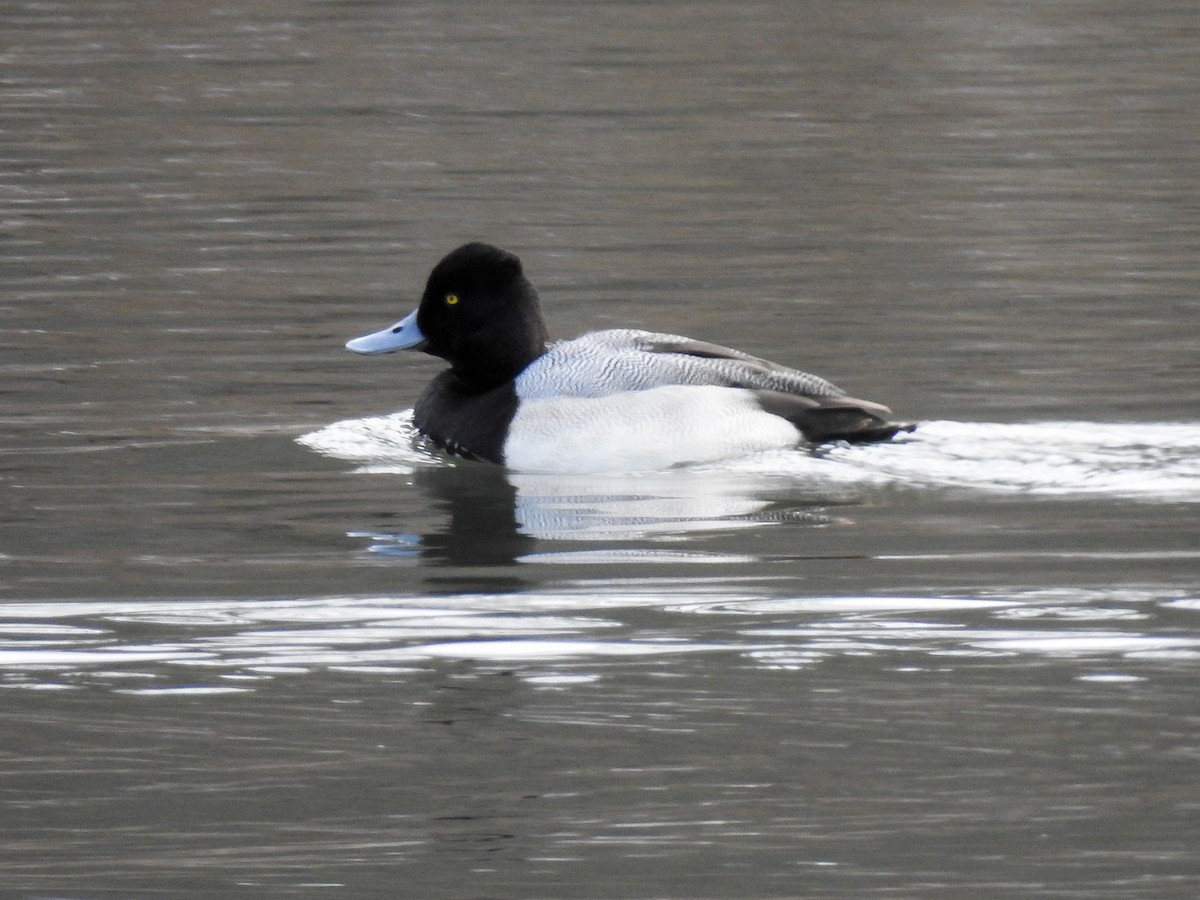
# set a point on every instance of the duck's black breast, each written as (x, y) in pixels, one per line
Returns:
(466, 422)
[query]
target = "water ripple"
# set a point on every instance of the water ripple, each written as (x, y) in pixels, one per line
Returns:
(564, 633)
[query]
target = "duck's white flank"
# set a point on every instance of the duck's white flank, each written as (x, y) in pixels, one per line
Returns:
(642, 430)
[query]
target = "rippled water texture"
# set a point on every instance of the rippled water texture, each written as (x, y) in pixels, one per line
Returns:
(258, 639)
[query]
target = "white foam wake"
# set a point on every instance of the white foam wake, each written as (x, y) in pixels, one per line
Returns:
(1153, 462)
(1150, 461)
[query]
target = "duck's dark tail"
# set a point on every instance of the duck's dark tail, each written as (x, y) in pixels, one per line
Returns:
(833, 418)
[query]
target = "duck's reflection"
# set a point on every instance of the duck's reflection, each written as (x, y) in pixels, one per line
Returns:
(479, 526)
(495, 517)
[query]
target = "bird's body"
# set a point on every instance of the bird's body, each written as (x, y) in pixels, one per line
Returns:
(617, 400)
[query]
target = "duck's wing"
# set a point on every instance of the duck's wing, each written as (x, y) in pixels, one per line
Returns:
(603, 363)
(733, 368)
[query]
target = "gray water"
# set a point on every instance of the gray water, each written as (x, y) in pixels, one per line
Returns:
(256, 641)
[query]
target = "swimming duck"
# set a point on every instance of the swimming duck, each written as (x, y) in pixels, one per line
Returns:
(618, 400)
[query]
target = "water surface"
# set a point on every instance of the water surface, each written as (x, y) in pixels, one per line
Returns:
(257, 640)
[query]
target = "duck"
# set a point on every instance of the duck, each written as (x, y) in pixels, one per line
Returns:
(619, 400)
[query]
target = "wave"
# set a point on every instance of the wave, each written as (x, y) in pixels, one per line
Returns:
(1148, 462)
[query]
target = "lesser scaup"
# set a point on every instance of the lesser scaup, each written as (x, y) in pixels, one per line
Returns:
(620, 400)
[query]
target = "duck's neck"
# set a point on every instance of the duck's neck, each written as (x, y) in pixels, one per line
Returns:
(491, 360)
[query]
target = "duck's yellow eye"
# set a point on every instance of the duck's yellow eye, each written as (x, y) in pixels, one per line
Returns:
(451, 299)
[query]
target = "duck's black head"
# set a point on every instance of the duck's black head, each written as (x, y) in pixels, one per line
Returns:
(479, 313)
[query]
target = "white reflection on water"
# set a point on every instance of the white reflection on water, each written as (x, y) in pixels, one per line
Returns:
(562, 634)
(623, 556)
(1154, 462)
